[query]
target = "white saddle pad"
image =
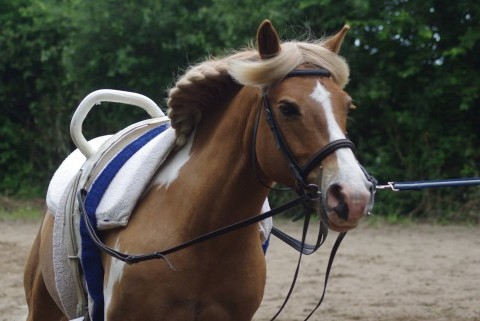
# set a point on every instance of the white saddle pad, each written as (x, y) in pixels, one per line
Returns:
(120, 194)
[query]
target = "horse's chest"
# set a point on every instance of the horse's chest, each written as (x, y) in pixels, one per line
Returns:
(199, 289)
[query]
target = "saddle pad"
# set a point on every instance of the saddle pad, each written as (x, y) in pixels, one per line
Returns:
(115, 179)
(116, 190)
(77, 170)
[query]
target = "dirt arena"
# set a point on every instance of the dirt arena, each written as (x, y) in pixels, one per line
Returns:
(387, 273)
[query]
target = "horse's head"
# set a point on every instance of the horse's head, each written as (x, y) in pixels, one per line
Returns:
(309, 112)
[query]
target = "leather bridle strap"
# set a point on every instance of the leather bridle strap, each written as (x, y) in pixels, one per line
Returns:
(324, 152)
(136, 258)
(306, 224)
(335, 247)
(309, 72)
(304, 249)
(300, 245)
(300, 173)
(281, 143)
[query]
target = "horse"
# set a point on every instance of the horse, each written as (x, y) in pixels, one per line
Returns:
(243, 123)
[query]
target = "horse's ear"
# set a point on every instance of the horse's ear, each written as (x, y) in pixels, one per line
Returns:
(335, 42)
(268, 43)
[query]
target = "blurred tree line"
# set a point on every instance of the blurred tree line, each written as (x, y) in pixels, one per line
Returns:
(414, 75)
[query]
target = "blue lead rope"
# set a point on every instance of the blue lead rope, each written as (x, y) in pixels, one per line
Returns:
(405, 186)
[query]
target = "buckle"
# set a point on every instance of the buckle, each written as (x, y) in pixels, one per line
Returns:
(389, 185)
(313, 192)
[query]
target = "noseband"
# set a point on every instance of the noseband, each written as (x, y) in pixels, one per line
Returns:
(299, 172)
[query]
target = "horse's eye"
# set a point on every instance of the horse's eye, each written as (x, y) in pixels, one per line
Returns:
(289, 109)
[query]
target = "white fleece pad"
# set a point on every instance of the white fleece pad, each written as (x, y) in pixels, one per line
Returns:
(126, 187)
(66, 172)
(128, 184)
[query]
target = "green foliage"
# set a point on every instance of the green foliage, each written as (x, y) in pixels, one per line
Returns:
(414, 77)
(31, 93)
(425, 98)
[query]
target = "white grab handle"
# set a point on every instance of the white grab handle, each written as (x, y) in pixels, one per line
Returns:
(106, 95)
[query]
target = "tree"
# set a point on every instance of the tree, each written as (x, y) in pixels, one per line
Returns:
(414, 76)
(32, 93)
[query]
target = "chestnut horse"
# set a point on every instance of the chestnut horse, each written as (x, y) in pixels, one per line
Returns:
(218, 111)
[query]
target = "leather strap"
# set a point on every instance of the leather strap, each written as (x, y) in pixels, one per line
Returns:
(309, 72)
(300, 173)
(306, 224)
(335, 247)
(136, 258)
(324, 152)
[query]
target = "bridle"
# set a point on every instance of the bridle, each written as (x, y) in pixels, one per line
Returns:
(300, 173)
(311, 192)
(307, 193)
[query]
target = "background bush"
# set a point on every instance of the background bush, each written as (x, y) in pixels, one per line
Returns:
(415, 68)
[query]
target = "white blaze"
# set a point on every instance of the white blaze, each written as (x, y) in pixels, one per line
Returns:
(346, 161)
(321, 94)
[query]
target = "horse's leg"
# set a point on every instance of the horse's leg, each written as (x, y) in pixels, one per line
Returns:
(41, 305)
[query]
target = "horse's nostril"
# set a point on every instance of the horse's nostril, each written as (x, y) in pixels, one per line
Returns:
(336, 201)
(342, 210)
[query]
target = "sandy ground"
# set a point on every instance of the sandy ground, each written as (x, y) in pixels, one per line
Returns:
(388, 273)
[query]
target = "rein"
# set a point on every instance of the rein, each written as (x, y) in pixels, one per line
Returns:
(136, 258)
(307, 193)
(406, 186)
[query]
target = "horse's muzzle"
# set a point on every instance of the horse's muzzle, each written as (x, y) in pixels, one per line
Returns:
(346, 205)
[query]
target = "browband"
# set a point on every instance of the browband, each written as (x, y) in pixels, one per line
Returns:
(309, 72)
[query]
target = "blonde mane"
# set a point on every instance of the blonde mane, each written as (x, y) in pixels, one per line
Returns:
(202, 84)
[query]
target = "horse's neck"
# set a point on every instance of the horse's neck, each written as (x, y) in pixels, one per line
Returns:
(219, 172)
